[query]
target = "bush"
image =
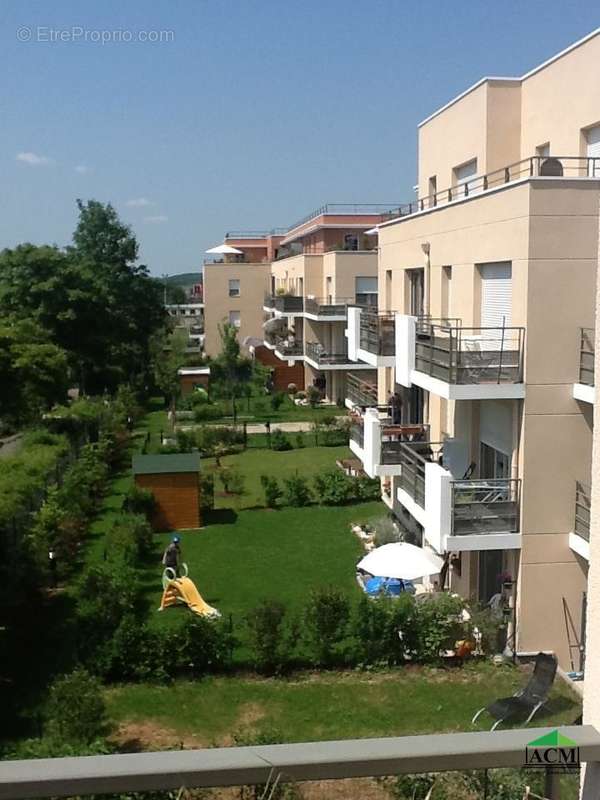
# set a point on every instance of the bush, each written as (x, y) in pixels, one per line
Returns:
(277, 400)
(271, 489)
(279, 441)
(207, 411)
(140, 501)
(292, 389)
(439, 625)
(206, 484)
(186, 441)
(296, 492)
(313, 395)
(334, 488)
(269, 644)
(386, 531)
(76, 713)
(205, 645)
(300, 440)
(224, 439)
(140, 653)
(382, 630)
(367, 489)
(325, 624)
(232, 479)
(129, 538)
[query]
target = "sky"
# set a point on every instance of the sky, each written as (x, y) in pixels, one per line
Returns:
(244, 114)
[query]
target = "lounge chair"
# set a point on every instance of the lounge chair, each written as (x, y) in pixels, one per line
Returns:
(528, 700)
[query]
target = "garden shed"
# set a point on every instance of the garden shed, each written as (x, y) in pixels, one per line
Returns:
(191, 378)
(174, 480)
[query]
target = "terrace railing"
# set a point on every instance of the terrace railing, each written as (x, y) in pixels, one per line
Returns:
(255, 234)
(318, 353)
(482, 506)
(587, 349)
(274, 765)
(357, 434)
(343, 209)
(534, 166)
(583, 504)
(285, 303)
(460, 355)
(412, 457)
(361, 393)
(327, 307)
(378, 333)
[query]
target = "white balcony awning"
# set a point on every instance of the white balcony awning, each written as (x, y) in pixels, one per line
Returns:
(225, 249)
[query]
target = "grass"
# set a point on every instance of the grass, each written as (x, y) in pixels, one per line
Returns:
(259, 409)
(241, 558)
(412, 700)
(253, 463)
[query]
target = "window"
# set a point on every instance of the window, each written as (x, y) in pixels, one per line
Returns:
(447, 291)
(416, 282)
(350, 241)
(543, 150)
(493, 463)
(234, 287)
(464, 177)
(432, 190)
(592, 150)
(365, 290)
(234, 318)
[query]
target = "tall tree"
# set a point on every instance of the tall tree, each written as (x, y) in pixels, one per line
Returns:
(230, 372)
(101, 237)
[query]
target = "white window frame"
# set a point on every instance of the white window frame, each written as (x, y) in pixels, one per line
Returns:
(234, 291)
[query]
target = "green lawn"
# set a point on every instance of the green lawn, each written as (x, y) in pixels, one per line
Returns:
(406, 701)
(253, 463)
(259, 409)
(243, 557)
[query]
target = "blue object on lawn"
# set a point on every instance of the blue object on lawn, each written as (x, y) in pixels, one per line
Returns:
(389, 586)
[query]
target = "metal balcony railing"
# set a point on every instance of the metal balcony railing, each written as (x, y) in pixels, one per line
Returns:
(412, 457)
(532, 167)
(583, 504)
(255, 234)
(327, 307)
(367, 300)
(361, 393)
(285, 303)
(284, 346)
(346, 209)
(378, 333)
(357, 434)
(587, 349)
(460, 355)
(481, 506)
(275, 765)
(319, 353)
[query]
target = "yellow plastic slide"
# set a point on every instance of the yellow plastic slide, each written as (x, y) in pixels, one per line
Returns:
(183, 590)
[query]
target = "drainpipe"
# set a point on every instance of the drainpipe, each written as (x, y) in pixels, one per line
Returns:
(426, 248)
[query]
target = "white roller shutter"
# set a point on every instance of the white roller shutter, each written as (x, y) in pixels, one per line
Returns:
(495, 425)
(496, 295)
(593, 149)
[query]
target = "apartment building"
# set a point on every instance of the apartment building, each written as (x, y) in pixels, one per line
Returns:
(236, 278)
(486, 297)
(289, 292)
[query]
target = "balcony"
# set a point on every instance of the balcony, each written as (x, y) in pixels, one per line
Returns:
(320, 357)
(361, 393)
(371, 336)
(456, 514)
(532, 167)
(579, 538)
(585, 389)
(287, 348)
(284, 304)
(274, 765)
(327, 309)
(460, 363)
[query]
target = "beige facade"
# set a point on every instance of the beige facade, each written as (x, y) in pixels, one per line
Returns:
(498, 439)
(234, 292)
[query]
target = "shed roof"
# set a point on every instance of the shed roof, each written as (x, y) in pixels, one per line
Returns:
(166, 462)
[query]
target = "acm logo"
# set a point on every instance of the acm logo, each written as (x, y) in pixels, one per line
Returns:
(555, 751)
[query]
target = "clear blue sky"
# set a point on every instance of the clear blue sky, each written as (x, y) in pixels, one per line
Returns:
(255, 113)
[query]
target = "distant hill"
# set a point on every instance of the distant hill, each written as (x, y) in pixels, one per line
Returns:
(185, 279)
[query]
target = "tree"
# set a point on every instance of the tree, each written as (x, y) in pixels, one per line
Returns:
(230, 372)
(101, 237)
(169, 357)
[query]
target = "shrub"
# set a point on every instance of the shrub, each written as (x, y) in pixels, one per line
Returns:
(205, 645)
(232, 479)
(313, 395)
(386, 531)
(334, 488)
(279, 441)
(76, 712)
(271, 489)
(129, 538)
(206, 411)
(138, 652)
(382, 630)
(292, 389)
(139, 501)
(206, 484)
(219, 438)
(277, 400)
(268, 642)
(439, 624)
(367, 489)
(296, 491)
(325, 623)
(186, 441)
(300, 440)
